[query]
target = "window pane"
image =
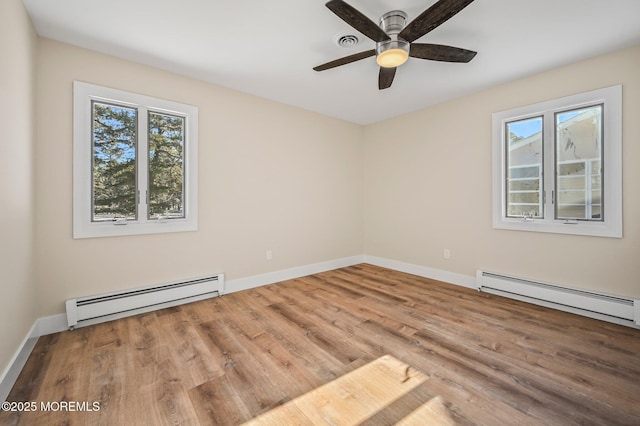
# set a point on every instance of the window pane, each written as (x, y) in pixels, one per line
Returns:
(524, 168)
(166, 166)
(114, 139)
(578, 163)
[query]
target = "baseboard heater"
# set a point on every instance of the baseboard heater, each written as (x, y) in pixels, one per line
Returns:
(105, 307)
(619, 310)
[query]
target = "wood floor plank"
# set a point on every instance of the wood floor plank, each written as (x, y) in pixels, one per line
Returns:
(485, 359)
(146, 337)
(282, 365)
(325, 338)
(350, 399)
(432, 412)
(215, 404)
(190, 353)
(242, 370)
(321, 364)
(172, 404)
(64, 379)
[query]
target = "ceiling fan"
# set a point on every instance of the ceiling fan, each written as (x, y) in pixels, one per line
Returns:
(394, 37)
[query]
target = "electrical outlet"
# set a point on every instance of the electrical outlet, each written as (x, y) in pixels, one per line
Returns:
(269, 255)
(447, 254)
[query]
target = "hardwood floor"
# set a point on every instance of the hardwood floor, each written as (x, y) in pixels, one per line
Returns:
(493, 361)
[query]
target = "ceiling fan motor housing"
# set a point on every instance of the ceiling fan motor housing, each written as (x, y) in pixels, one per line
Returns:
(393, 52)
(393, 22)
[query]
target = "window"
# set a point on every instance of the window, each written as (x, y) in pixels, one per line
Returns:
(135, 164)
(558, 165)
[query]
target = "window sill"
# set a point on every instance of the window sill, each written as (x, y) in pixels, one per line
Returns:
(593, 229)
(111, 229)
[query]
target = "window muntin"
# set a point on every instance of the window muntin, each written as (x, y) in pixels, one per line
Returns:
(134, 164)
(580, 170)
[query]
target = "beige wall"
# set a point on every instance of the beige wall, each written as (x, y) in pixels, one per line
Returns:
(428, 186)
(271, 177)
(17, 202)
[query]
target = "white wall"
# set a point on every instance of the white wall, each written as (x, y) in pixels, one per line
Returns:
(17, 201)
(428, 186)
(271, 177)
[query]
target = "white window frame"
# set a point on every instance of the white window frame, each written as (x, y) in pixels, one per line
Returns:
(611, 226)
(83, 226)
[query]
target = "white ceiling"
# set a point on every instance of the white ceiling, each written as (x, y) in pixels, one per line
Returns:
(269, 48)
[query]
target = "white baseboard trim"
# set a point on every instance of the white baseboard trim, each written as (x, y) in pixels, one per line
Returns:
(41, 327)
(19, 359)
(239, 284)
(49, 325)
(423, 271)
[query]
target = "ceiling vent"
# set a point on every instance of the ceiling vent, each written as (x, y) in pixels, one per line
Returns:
(347, 40)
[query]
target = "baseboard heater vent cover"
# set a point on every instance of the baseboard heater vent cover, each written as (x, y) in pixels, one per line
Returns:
(105, 307)
(616, 309)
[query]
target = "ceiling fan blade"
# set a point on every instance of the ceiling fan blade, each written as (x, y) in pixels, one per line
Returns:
(431, 18)
(346, 60)
(440, 52)
(357, 20)
(385, 77)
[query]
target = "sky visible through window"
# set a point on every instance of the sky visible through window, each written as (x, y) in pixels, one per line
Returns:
(114, 128)
(525, 128)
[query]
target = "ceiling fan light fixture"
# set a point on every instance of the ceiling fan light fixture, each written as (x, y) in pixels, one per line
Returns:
(392, 53)
(395, 38)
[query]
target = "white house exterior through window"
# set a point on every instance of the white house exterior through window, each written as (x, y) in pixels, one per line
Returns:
(557, 165)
